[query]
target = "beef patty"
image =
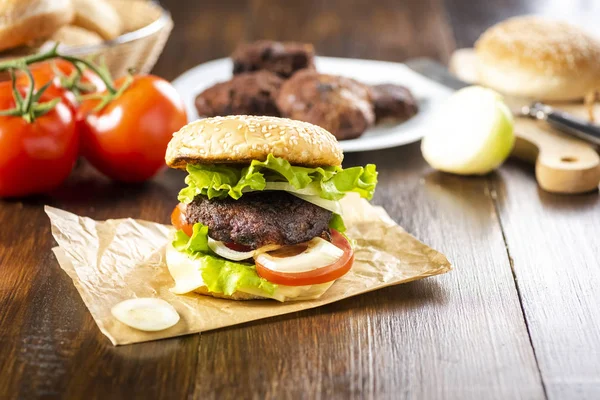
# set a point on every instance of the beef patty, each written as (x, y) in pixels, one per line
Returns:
(340, 105)
(393, 102)
(251, 93)
(259, 219)
(282, 58)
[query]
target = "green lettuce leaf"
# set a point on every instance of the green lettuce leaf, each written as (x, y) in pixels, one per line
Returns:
(220, 275)
(198, 243)
(331, 183)
(361, 180)
(223, 276)
(219, 181)
(337, 223)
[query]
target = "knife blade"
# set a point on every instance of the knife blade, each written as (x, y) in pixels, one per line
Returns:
(524, 107)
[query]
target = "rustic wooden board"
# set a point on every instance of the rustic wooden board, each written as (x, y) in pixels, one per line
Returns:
(49, 345)
(555, 262)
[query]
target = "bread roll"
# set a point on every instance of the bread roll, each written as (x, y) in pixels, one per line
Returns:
(23, 21)
(135, 14)
(242, 138)
(70, 35)
(538, 58)
(98, 16)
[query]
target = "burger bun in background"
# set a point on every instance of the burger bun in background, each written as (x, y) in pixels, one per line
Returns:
(539, 58)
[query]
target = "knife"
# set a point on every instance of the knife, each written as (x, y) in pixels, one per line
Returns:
(561, 120)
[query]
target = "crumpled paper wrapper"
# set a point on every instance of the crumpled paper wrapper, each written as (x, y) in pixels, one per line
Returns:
(116, 260)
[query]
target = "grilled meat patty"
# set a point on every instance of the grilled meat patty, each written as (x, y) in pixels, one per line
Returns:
(393, 102)
(282, 58)
(259, 219)
(339, 104)
(250, 93)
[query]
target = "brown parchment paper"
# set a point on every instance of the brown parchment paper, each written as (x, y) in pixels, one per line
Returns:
(116, 260)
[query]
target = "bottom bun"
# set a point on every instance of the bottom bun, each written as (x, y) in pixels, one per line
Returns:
(237, 295)
(187, 274)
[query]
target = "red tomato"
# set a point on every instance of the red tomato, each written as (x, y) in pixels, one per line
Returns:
(320, 275)
(127, 139)
(178, 220)
(46, 71)
(35, 157)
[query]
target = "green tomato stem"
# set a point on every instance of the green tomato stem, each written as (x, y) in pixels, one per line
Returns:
(118, 93)
(101, 72)
(16, 94)
(52, 54)
(29, 108)
(28, 115)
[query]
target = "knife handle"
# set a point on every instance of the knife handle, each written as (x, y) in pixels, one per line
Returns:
(567, 123)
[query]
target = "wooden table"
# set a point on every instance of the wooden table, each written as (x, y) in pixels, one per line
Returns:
(519, 317)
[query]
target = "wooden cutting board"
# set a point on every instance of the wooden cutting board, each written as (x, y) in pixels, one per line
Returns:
(563, 164)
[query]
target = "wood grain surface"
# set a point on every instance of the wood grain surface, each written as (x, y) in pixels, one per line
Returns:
(555, 262)
(516, 319)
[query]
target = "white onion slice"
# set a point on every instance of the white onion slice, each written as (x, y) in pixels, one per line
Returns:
(221, 249)
(310, 190)
(320, 253)
(146, 314)
(225, 252)
(309, 194)
(330, 205)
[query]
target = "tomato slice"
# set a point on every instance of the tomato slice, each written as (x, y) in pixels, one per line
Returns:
(320, 275)
(178, 220)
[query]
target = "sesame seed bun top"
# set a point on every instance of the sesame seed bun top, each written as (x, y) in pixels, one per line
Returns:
(537, 57)
(239, 139)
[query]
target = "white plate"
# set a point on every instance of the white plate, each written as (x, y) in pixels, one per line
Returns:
(428, 93)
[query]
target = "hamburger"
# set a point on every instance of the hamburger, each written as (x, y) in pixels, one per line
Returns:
(260, 216)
